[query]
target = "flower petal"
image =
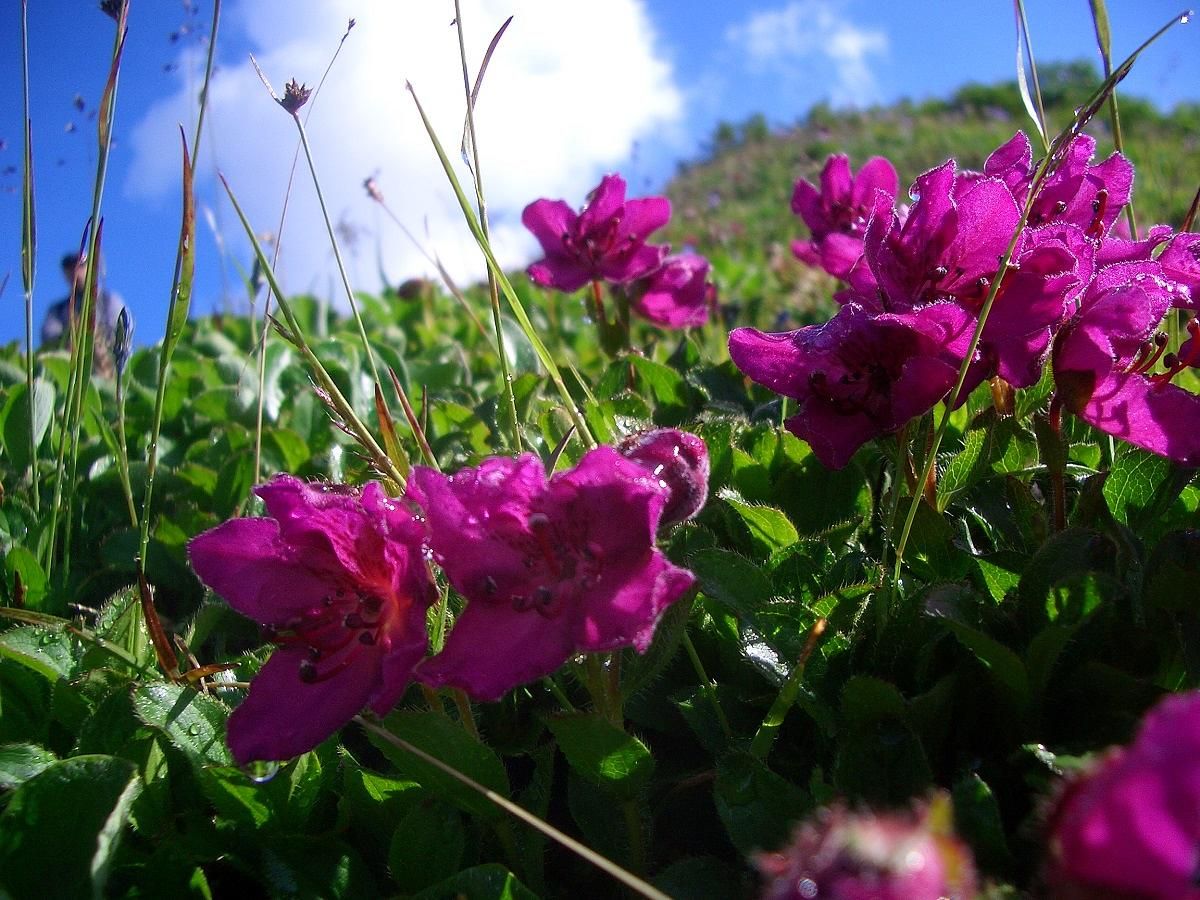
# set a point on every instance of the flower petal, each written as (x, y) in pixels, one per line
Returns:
(549, 220)
(492, 648)
(258, 573)
(284, 716)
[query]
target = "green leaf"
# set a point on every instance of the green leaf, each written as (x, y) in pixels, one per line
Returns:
(17, 442)
(121, 623)
(427, 846)
(446, 741)
(731, 580)
(603, 753)
(487, 882)
(1004, 666)
(1133, 481)
(194, 722)
(880, 758)
(977, 818)
(61, 828)
(52, 654)
(963, 470)
(770, 530)
(756, 806)
(20, 762)
(19, 560)
(670, 392)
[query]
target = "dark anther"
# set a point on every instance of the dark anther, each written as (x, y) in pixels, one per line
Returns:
(308, 672)
(354, 620)
(489, 585)
(366, 637)
(371, 605)
(543, 596)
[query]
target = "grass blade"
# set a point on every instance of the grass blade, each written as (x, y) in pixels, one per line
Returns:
(28, 249)
(631, 881)
(1033, 104)
(502, 281)
(472, 94)
(1104, 42)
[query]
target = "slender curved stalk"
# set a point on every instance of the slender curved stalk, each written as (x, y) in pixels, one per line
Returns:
(506, 287)
(337, 400)
(786, 698)
(476, 172)
(631, 881)
(28, 252)
(266, 320)
(706, 684)
(337, 252)
(181, 291)
(82, 344)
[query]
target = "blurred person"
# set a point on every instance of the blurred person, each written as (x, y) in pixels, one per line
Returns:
(56, 327)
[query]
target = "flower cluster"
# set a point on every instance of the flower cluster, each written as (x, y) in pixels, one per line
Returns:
(1130, 826)
(551, 567)
(1074, 291)
(606, 243)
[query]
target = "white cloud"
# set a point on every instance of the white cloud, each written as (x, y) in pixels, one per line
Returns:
(813, 38)
(570, 89)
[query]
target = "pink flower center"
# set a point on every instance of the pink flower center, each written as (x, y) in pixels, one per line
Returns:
(598, 244)
(560, 563)
(344, 625)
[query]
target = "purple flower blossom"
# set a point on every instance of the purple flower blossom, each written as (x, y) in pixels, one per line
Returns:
(858, 376)
(836, 214)
(948, 248)
(1088, 196)
(1131, 826)
(843, 855)
(550, 567)
(605, 242)
(336, 577)
(1104, 361)
(679, 461)
(675, 295)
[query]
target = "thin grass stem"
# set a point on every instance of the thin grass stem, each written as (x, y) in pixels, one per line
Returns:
(477, 176)
(506, 287)
(631, 881)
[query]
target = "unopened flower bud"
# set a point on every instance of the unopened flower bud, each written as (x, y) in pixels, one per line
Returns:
(840, 855)
(122, 340)
(679, 460)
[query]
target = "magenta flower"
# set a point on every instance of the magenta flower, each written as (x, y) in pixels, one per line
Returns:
(605, 242)
(1104, 363)
(858, 376)
(675, 295)
(1131, 827)
(843, 855)
(336, 577)
(1076, 192)
(948, 248)
(679, 461)
(550, 567)
(1034, 300)
(837, 213)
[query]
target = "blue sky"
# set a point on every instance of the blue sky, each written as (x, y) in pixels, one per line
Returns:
(577, 88)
